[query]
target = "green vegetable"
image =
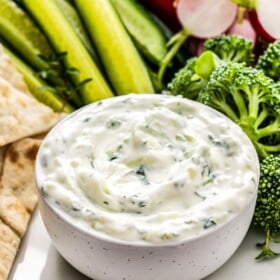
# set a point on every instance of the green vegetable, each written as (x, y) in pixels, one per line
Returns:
(64, 39)
(246, 96)
(185, 82)
(269, 61)
(73, 18)
(122, 63)
(231, 48)
(38, 88)
(267, 211)
(146, 33)
(249, 4)
(192, 78)
(19, 30)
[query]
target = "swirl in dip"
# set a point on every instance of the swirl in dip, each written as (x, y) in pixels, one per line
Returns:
(147, 168)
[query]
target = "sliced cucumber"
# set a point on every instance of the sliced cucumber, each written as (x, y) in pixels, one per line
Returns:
(122, 62)
(37, 87)
(20, 31)
(64, 39)
(72, 16)
(146, 33)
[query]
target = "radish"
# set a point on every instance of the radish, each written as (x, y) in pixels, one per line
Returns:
(243, 29)
(266, 19)
(206, 18)
(201, 19)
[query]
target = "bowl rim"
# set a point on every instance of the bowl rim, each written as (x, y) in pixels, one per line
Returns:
(93, 233)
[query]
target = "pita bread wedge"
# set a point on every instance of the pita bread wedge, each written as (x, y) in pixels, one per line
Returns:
(14, 214)
(18, 172)
(9, 244)
(10, 74)
(18, 198)
(22, 115)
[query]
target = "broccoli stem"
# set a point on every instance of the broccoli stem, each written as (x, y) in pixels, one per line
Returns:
(254, 105)
(262, 116)
(270, 148)
(175, 43)
(226, 109)
(242, 108)
(271, 129)
(266, 251)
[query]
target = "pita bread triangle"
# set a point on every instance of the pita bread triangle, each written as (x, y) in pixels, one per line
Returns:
(9, 244)
(22, 115)
(19, 160)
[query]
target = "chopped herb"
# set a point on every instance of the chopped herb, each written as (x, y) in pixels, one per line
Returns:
(184, 137)
(141, 171)
(208, 181)
(206, 171)
(106, 202)
(168, 236)
(179, 185)
(76, 208)
(141, 204)
(113, 155)
(170, 146)
(113, 158)
(218, 143)
(113, 124)
(200, 196)
(119, 148)
(208, 222)
(142, 174)
(86, 119)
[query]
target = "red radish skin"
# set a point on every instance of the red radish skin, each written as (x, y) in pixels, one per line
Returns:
(244, 29)
(165, 10)
(199, 47)
(266, 19)
(258, 27)
(206, 18)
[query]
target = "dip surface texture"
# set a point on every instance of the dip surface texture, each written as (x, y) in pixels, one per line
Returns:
(148, 168)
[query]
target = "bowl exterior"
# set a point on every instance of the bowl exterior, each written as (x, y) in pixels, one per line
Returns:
(190, 259)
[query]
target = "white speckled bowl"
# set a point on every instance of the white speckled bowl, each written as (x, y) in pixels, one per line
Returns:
(100, 257)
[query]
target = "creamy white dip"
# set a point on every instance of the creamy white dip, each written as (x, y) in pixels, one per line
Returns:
(148, 167)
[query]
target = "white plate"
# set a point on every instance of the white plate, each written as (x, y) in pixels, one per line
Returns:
(38, 260)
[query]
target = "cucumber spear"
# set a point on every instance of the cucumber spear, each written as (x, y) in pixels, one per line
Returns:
(64, 39)
(122, 62)
(19, 30)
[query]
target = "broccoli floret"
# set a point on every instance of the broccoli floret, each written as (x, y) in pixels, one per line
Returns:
(231, 48)
(267, 211)
(185, 82)
(269, 61)
(217, 92)
(246, 96)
